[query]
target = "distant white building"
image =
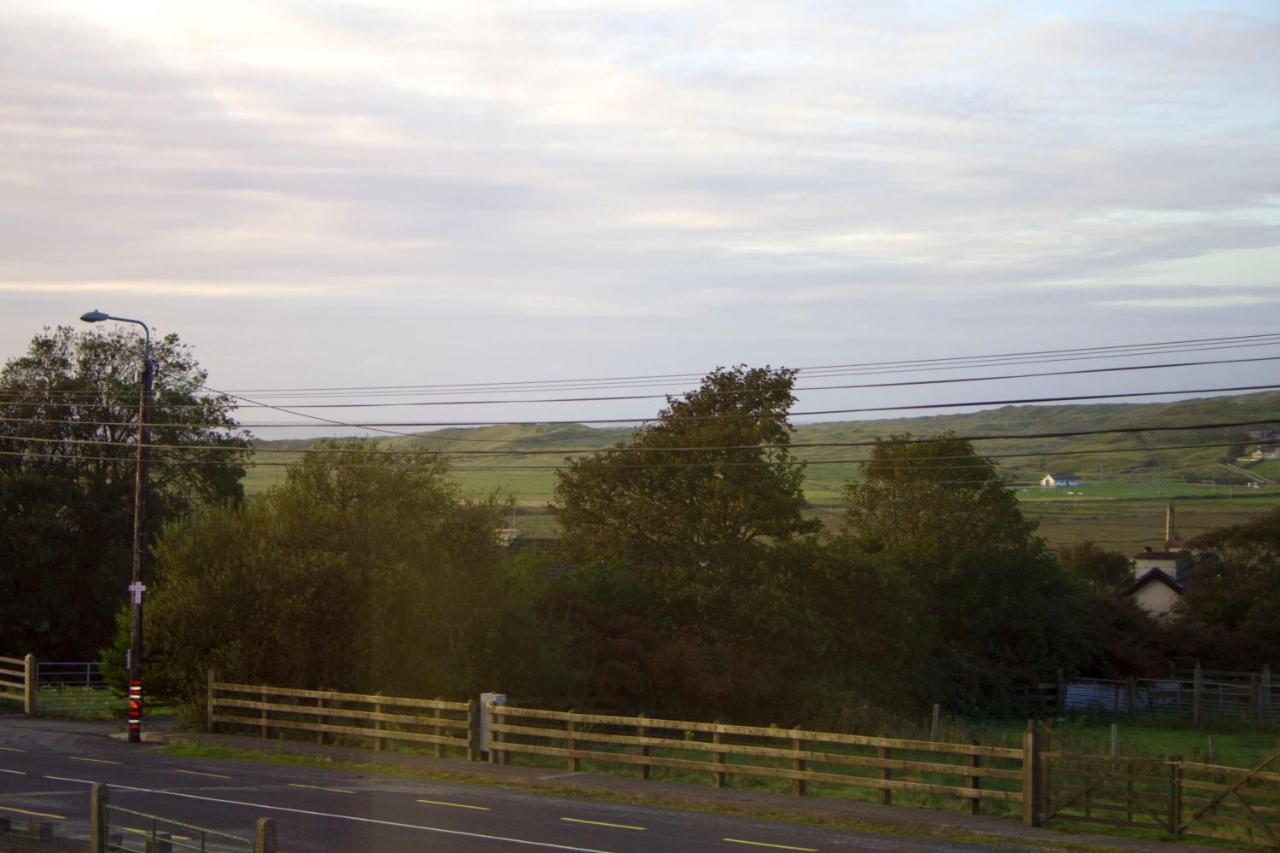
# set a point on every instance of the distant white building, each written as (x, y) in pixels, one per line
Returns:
(1156, 592)
(1061, 481)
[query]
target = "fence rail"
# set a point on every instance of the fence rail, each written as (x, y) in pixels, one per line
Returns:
(18, 682)
(372, 719)
(1176, 796)
(969, 772)
(1245, 697)
(114, 828)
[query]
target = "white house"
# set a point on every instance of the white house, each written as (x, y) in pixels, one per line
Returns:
(1061, 481)
(1155, 592)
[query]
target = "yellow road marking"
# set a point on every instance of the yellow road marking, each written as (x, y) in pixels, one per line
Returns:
(28, 812)
(767, 844)
(11, 749)
(199, 773)
(455, 805)
(602, 823)
(94, 760)
(321, 788)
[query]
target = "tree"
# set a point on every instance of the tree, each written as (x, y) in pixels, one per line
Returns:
(689, 518)
(991, 607)
(1233, 584)
(927, 502)
(68, 433)
(364, 571)
(693, 524)
(1108, 572)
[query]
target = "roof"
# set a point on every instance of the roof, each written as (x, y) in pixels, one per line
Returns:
(1162, 555)
(1154, 576)
(1062, 476)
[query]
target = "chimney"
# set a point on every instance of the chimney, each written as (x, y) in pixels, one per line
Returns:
(1168, 526)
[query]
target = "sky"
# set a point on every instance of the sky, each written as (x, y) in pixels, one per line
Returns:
(353, 194)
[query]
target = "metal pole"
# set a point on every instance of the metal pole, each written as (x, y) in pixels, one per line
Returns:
(136, 587)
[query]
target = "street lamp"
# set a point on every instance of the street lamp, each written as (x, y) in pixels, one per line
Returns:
(136, 587)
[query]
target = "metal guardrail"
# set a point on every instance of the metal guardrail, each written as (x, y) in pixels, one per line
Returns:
(157, 833)
(70, 674)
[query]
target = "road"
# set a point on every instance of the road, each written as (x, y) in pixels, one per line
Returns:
(46, 770)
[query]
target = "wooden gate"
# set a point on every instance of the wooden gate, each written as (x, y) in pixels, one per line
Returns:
(1232, 802)
(1109, 790)
(1169, 794)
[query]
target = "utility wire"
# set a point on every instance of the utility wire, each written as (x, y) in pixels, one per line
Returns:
(659, 450)
(1044, 356)
(126, 460)
(670, 418)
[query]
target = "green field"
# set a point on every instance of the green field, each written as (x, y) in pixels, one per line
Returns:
(1128, 477)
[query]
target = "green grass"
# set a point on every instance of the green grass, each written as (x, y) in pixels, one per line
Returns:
(785, 812)
(1128, 478)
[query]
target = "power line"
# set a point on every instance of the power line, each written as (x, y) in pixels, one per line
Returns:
(670, 418)
(708, 463)
(710, 392)
(1111, 351)
(1041, 356)
(660, 450)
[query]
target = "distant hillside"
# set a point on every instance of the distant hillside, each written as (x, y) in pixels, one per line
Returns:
(1127, 477)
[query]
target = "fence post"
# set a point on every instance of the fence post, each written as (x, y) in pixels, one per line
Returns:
(643, 732)
(1115, 739)
(265, 840)
(378, 743)
(98, 824)
(1197, 694)
(321, 719)
(1264, 694)
(574, 764)
(797, 785)
(1031, 787)
(936, 725)
(1175, 794)
(473, 730)
(208, 720)
(975, 782)
(886, 773)
(717, 776)
(435, 715)
(31, 683)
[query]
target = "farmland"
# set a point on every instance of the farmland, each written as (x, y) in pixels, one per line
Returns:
(1128, 477)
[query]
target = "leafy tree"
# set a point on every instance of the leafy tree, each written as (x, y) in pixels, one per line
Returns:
(687, 564)
(1233, 584)
(1103, 570)
(365, 571)
(693, 525)
(990, 608)
(68, 443)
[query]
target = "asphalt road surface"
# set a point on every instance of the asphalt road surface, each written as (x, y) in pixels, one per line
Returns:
(46, 771)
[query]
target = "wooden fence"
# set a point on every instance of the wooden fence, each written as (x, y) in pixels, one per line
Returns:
(359, 718)
(969, 772)
(1045, 779)
(1172, 795)
(18, 682)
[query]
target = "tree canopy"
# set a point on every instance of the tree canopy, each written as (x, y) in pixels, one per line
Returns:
(692, 522)
(364, 571)
(68, 444)
(683, 532)
(989, 605)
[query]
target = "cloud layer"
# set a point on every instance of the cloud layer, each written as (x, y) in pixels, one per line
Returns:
(502, 190)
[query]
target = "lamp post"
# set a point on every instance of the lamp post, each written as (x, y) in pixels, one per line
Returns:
(136, 587)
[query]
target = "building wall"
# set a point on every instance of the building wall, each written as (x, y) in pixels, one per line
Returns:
(1156, 598)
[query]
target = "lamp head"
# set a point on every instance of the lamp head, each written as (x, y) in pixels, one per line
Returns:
(94, 316)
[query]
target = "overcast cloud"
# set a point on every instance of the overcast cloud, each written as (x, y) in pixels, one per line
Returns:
(343, 194)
